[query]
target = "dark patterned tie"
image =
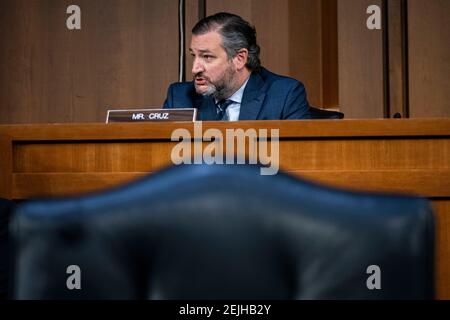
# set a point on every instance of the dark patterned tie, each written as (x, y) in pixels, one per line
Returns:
(221, 109)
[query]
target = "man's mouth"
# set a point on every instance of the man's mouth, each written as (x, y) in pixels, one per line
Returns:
(200, 81)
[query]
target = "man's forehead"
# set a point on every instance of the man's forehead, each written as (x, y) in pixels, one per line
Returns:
(206, 42)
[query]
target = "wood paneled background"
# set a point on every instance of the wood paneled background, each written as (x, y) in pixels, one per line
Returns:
(360, 61)
(126, 55)
(429, 58)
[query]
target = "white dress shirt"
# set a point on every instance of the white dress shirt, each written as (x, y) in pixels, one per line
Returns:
(232, 112)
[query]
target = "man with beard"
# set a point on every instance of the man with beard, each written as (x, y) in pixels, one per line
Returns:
(229, 83)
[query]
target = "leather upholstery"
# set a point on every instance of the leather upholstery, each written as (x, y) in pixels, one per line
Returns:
(317, 113)
(6, 206)
(225, 232)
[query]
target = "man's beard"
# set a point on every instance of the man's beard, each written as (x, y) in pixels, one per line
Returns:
(221, 89)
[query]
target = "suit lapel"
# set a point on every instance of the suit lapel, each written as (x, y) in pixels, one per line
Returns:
(206, 108)
(252, 98)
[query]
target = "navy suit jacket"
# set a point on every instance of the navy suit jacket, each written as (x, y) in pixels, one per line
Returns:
(267, 96)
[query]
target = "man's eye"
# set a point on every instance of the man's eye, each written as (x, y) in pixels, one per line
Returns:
(207, 57)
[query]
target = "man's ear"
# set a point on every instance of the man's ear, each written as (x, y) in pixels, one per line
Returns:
(241, 58)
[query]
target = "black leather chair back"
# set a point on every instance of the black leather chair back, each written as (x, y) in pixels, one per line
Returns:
(316, 113)
(225, 232)
(6, 207)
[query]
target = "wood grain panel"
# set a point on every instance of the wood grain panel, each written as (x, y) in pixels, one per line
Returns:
(91, 157)
(299, 129)
(362, 154)
(429, 58)
(22, 53)
(6, 167)
(305, 50)
(330, 69)
(272, 21)
(191, 16)
(124, 56)
(242, 8)
(360, 61)
(65, 184)
(415, 182)
(397, 57)
(349, 154)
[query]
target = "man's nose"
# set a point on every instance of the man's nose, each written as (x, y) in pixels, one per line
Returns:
(197, 67)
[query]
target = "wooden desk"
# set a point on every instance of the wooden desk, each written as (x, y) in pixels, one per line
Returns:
(399, 155)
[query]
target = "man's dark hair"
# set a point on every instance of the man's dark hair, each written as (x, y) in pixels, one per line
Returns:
(236, 34)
